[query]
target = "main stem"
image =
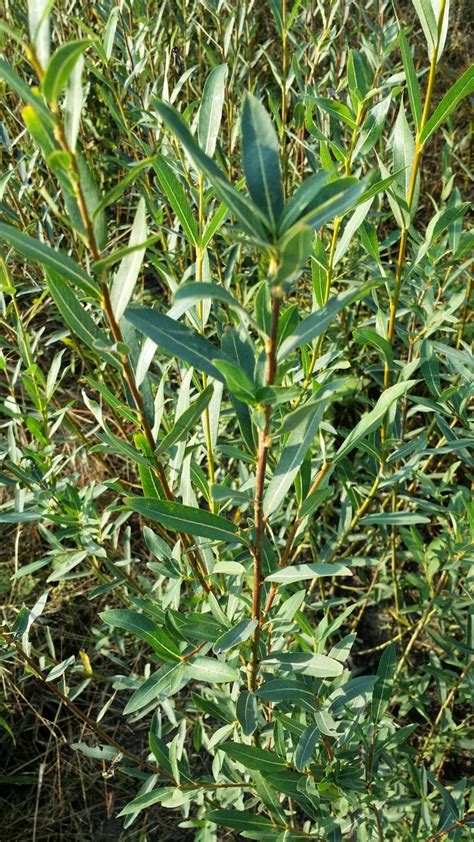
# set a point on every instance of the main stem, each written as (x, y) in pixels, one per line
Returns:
(264, 444)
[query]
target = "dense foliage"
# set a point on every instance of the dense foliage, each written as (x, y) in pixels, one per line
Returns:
(236, 377)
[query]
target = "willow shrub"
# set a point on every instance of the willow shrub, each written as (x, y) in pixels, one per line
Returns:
(288, 432)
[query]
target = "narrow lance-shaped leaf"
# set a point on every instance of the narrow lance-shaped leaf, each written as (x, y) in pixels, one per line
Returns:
(261, 159)
(413, 87)
(247, 214)
(403, 152)
(372, 128)
(294, 452)
(463, 87)
(176, 339)
(314, 325)
(383, 685)
(145, 629)
(24, 91)
(306, 745)
(53, 258)
(60, 67)
(303, 199)
(293, 251)
(77, 318)
(186, 420)
(210, 112)
(238, 384)
(335, 199)
(254, 758)
(428, 12)
(247, 713)
(211, 670)
(165, 682)
(241, 820)
(319, 666)
(299, 572)
(235, 636)
(189, 294)
(353, 224)
(39, 28)
(369, 422)
(176, 196)
(73, 107)
(187, 519)
(129, 269)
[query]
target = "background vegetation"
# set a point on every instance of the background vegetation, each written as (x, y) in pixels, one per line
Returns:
(312, 507)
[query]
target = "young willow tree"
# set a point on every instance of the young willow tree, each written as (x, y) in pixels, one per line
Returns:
(268, 420)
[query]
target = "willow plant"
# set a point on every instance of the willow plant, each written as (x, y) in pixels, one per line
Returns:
(245, 611)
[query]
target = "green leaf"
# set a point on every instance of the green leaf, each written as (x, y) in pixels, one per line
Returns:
(116, 192)
(319, 666)
(129, 269)
(248, 216)
(20, 517)
(365, 335)
(334, 199)
(428, 12)
(176, 339)
(165, 682)
(147, 799)
(372, 127)
(73, 104)
(287, 690)
(190, 293)
(356, 77)
(246, 711)
(211, 670)
(186, 421)
(24, 91)
(306, 745)
(383, 685)
(371, 420)
(78, 319)
(39, 28)
(176, 196)
(298, 572)
(293, 251)
(145, 629)
(337, 110)
(463, 87)
(240, 819)
(394, 519)
(235, 636)
(60, 67)
(430, 368)
(403, 152)
(52, 258)
(413, 87)
(353, 224)
(237, 382)
(187, 519)
(210, 112)
(314, 325)
(305, 198)
(261, 159)
(253, 758)
(294, 452)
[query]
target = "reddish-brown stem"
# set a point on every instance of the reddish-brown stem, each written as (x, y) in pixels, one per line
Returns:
(286, 555)
(264, 444)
